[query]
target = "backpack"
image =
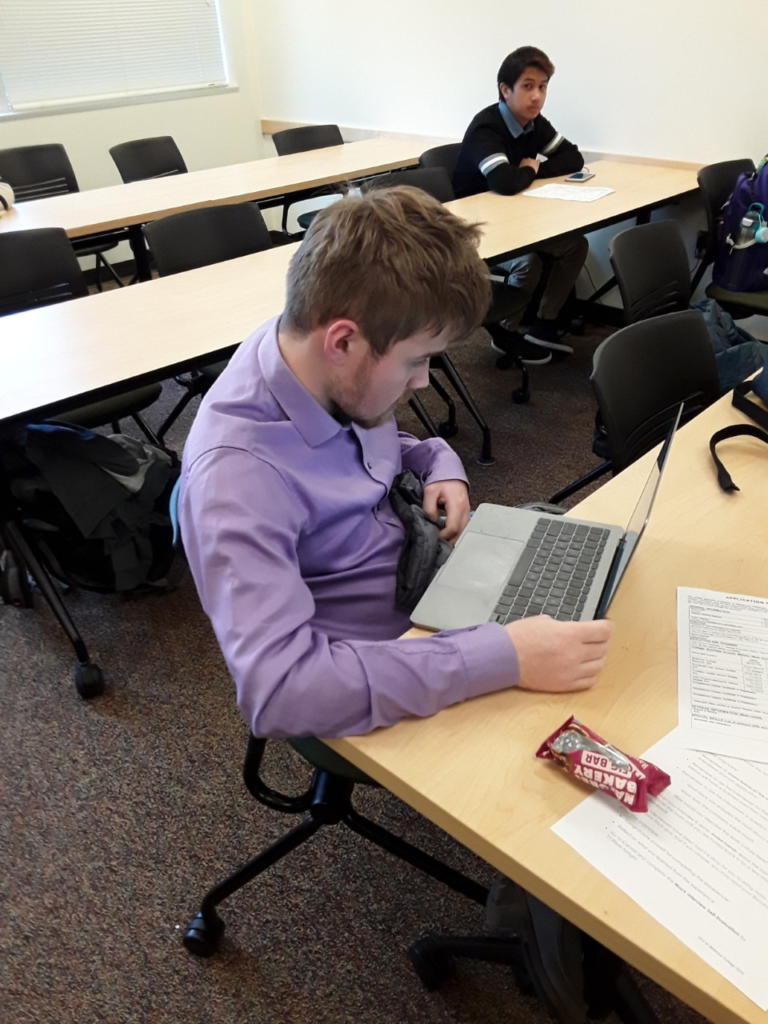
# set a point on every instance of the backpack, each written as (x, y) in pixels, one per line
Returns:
(741, 257)
(95, 507)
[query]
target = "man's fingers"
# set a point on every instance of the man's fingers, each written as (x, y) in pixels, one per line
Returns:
(429, 504)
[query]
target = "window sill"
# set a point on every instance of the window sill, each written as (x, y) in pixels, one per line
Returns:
(101, 103)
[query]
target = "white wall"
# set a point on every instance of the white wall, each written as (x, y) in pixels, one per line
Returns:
(681, 79)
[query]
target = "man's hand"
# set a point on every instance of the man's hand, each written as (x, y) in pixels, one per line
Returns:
(527, 162)
(557, 657)
(453, 496)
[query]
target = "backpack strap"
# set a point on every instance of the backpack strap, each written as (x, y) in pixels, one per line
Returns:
(723, 476)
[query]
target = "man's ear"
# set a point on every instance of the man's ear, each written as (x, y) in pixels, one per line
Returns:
(342, 341)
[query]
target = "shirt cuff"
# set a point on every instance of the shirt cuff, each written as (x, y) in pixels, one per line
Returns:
(444, 464)
(489, 656)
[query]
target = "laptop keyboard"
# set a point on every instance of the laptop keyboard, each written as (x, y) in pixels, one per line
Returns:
(554, 573)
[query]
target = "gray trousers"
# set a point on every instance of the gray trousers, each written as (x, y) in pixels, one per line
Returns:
(567, 256)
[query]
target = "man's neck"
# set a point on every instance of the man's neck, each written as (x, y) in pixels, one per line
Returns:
(300, 355)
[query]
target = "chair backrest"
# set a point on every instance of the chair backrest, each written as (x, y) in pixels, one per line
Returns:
(716, 183)
(197, 238)
(310, 136)
(39, 267)
(640, 375)
(148, 158)
(441, 156)
(651, 268)
(37, 172)
(433, 180)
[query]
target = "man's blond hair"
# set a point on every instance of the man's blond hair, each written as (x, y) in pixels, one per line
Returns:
(395, 262)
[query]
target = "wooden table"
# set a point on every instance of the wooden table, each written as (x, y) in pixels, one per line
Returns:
(471, 769)
(517, 224)
(130, 206)
(151, 331)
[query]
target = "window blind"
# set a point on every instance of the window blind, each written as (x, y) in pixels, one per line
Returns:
(59, 52)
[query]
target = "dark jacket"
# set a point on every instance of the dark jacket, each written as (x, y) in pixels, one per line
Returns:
(490, 154)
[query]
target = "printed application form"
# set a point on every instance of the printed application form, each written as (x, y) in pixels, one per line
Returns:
(722, 673)
(573, 193)
(697, 861)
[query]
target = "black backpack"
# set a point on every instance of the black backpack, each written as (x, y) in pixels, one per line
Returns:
(95, 507)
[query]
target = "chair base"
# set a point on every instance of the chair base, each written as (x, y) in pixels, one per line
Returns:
(330, 803)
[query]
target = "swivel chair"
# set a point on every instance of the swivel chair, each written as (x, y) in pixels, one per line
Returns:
(716, 182)
(140, 159)
(651, 269)
(198, 238)
(302, 140)
(39, 172)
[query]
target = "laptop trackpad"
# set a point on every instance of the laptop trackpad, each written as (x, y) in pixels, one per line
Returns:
(465, 591)
(481, 563)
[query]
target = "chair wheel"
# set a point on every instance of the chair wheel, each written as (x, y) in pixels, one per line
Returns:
(446, 429)
(201, 939)
(577, 326)
(14, 582)
(520, 396)
(89, 680)
(433, 966)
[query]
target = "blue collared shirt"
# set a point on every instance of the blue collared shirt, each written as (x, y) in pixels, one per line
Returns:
(515, 130)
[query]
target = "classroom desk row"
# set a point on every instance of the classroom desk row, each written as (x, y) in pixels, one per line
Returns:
(151, 331)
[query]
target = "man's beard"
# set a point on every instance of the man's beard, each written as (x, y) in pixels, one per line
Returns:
(343, 414)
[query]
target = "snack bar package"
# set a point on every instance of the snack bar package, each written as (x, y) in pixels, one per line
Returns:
(586, 755)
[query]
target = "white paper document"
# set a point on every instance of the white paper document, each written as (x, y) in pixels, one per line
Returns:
(573, 193)
(722, 673)
(697, 861)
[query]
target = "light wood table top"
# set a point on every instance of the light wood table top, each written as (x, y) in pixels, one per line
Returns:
(472, 769)
(514, 224)
(55, 356)
(102, 209)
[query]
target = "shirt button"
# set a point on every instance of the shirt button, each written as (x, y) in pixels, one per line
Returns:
(369, 465)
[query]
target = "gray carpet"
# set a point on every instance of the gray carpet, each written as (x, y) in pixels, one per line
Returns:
(120, 812)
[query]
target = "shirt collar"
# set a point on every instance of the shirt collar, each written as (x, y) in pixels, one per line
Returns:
(315, 425)
(514, 128)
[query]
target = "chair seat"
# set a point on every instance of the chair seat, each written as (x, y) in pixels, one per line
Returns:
(321, 756)
(110, 409)
(214, 370)
(751, 303)
(88, 245)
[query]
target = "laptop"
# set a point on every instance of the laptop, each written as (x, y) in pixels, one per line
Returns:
(511, 563)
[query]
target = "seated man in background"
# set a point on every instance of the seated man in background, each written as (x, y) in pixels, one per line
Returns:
(285, 511)
(505, 149)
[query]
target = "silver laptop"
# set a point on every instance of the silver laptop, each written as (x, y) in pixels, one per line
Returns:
(510, 563)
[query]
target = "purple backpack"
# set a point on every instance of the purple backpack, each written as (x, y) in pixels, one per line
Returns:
(741, 259)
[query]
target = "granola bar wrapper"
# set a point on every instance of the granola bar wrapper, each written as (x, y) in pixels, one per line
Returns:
(583, 753)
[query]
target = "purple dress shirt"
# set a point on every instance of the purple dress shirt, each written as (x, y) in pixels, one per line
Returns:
(293, 545)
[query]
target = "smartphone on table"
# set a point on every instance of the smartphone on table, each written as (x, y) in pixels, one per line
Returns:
(583, 175)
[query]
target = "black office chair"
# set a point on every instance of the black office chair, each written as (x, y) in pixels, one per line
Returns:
(442, 156)
(39, 267)
(327, 801)
(302, 140)
(650, 265)
(39, 172)
(140, 159)
(436, 182)
(716, 182)
(198, 238)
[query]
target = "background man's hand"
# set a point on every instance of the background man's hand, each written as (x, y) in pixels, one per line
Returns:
(453, 496)
(527, 162)
(557, 657)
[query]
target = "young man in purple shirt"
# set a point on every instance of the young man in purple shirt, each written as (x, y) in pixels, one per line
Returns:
(284, 509)
(506, 148)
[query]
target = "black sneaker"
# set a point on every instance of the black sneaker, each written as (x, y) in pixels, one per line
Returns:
(511, 343)
(545, 334)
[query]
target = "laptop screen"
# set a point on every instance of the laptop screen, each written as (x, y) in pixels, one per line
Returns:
(638, 520)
